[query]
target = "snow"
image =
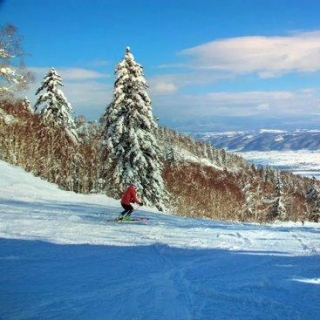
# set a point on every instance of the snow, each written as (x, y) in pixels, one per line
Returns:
(272, 131)
(302, 162)
(7, 118)
(60, 258)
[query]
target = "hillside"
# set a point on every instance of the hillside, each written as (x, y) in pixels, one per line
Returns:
(200, 180)
(60, 258)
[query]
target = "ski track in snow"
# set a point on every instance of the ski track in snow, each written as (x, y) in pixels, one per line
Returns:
(60, 258)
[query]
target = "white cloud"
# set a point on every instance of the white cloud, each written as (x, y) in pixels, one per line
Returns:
(159, 86)
(81, 74)
(72, 74)
(239, 104)
(263, 106)
(171, 83)
(265, 56)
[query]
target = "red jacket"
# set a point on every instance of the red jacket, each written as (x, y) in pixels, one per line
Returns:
(130, 195)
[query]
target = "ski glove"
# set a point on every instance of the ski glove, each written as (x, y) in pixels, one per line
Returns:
(141, 203)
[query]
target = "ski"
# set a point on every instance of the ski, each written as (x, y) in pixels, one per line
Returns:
(131, 219)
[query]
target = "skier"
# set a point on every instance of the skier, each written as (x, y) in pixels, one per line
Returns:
(130, 195)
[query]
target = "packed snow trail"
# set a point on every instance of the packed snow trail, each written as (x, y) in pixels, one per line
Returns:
(61, 259)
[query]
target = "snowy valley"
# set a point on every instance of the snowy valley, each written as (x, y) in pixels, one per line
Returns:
(62, 258)
(302, 162)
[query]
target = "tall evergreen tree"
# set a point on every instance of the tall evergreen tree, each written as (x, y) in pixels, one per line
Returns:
(129, 135)
(57, 109)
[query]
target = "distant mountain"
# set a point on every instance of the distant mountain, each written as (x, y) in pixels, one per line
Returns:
(263, 140)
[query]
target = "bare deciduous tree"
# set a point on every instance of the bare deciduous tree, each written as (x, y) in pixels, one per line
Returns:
(13, 74)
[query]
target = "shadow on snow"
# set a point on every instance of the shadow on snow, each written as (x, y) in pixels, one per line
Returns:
(41, 280)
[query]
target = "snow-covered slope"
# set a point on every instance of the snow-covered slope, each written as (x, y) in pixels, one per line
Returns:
(60, 258)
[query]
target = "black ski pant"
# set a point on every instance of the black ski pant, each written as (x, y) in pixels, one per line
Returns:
(128, 208)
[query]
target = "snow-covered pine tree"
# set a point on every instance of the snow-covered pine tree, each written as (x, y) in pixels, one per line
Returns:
(129, 135)
(279, 209)
(313, 199)
(57, 110)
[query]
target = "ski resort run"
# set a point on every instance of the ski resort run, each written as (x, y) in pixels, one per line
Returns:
(62, 258)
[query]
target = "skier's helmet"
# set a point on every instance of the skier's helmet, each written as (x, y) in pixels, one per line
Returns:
(135, 185)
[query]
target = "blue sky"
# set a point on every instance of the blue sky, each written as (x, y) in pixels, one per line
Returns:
(211, 65)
